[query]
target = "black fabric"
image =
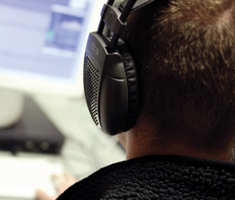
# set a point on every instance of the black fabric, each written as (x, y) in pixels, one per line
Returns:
(133, 88)
(158, 177)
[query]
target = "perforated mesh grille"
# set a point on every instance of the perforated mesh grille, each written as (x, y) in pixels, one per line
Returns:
(91, 80)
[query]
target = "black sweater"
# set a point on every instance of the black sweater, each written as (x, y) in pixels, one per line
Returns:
(158, 177)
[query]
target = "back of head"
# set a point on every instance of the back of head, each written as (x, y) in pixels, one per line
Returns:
(185, 54)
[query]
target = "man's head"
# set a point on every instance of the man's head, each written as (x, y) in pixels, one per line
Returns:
(185, 54)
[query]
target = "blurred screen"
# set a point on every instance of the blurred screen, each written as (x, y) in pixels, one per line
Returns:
(43, 39)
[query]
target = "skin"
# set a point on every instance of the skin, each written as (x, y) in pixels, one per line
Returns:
(143, 140)
(137, 146)
(63, 182)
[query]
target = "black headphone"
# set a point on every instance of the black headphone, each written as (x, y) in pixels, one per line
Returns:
(110, 77)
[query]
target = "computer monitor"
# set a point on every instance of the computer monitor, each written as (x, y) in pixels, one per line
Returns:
(42, 44)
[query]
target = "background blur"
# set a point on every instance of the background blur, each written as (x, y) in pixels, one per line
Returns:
(45, 127)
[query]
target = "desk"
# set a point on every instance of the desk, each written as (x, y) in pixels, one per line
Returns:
(85, 150)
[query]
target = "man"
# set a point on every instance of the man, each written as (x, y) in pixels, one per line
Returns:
(183, 139)
(185, 55)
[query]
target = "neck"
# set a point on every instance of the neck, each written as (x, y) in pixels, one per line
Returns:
(140, 144)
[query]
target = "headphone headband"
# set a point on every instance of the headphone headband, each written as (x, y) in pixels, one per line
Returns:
(139, 4)
(114, 17)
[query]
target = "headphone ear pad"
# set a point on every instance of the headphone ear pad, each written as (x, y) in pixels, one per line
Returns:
(132, 82)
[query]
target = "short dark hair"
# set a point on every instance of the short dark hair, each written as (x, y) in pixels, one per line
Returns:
(185, 55)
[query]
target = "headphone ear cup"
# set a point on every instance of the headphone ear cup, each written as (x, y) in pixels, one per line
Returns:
(111, 85)
(132, 83)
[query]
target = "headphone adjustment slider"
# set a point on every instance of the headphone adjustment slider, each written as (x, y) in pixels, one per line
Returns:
(111, 17)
